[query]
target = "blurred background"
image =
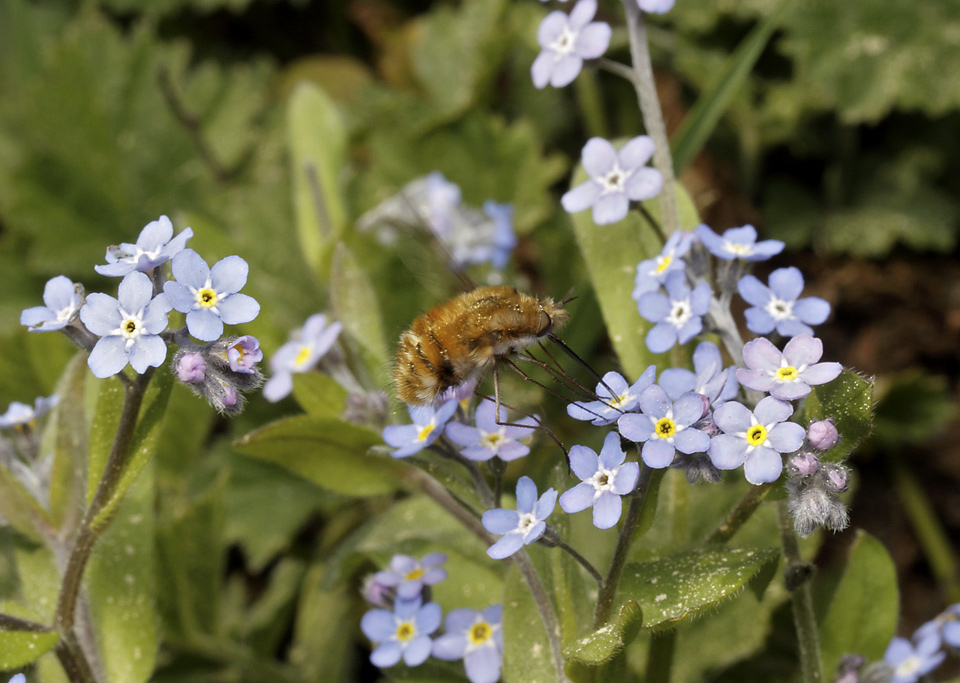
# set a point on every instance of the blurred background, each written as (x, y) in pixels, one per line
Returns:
(844, 142)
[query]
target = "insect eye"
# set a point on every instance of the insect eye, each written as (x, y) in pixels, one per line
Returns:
(545, 324)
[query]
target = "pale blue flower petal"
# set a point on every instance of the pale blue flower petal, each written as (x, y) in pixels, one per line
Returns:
(583, 461)
(657, 453)
(610, 209)
(236, 309)
(762, 466)
(580, 497)
(607, 510)
(581, 197)
(204, 324)
(506, 546)
(229, 275)
(108, 357)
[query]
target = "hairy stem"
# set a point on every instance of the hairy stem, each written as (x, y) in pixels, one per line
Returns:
(545, 607)
(660, 661)
(88, 534)
(608, 589)
(73, 660)
(584, 562)
(424, 482)
(652, 115)
(797, 574)
(740, 513)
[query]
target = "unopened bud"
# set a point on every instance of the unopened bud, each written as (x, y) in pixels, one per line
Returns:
(804, 464)
(837, 477)
(229, 398)
(244, 353)
(823, 435)
(376, 593)
(191, 368)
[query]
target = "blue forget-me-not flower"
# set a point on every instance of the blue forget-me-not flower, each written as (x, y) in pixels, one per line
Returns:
(616, 398)
(709, 378)
(428, 422)
(777, 306)
(155, 245)
(522, 526)
(652, 272)
(477, 638)
(62, 298)
(656, 6)
(488, 438)
(409, 575)
(616, 179)
(604, 480)
(566, 41)
(755, 439)
(129, 327)
(910, 660)
(210, 296)
(738, 243)
(665, 426)
(20, 414)
(301, 354)
(678, 314)
(403, 633)
(788, 374)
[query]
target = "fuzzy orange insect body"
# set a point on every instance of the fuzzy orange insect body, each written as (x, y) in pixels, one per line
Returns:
(461, 339)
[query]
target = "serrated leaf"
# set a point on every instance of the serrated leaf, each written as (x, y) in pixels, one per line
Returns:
(612, 254)
(121, 586)
(21, 647)
(526, 648)
(863, 613)
(317, 141)
(319, 394)
(327, 451)
(355, 303)
(848, 400)
(703, 118)
(142, 446)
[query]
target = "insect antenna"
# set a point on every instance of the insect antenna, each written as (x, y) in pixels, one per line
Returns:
(584, 364)
(536, 418)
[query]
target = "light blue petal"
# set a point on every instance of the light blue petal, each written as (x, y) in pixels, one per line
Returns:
(786, 283)
(580, 497)
(657, 453)
(565, 70)
(661, 337)
(611, 454)
(688, 409)
(761, 354)
(546, 504)
(60, 293)
(506, 546)
(417, 650)
(753, 291)
(37, 315)
(786, 437)
(759, 321)
(100, 314)
(526, 494)
(462, 435)
(607, 510)
(635, 427)
(500, 521)
(190, 269)
(803, 350)
(625, 478)
(821, 373)
(733, 417)
(593, 41)
(451, 646)
(610, 208)
(155, 234)
(677, 381)
(179, 296)
(148, 351)
(691, 441)
(811, 310)
(229, 274)
(108, 357)
(598, 157)
(644, 184)
(236, 309)
(550, 28)
(582, 13)
(204, 324)
(762, 466)
(386, 655)
(690, 329)
(583, 461)
(378, 625)
(483, 664)
(277, 387)
(636, 153)
(654, 401)
(727, 452)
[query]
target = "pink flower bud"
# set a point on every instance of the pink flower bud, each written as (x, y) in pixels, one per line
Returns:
(191, 368)
(804, 464)
(823, 435)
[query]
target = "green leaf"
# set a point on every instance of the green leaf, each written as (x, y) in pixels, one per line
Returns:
(526, 649)
(21, 510)
(319, 394)
(355, 303)
(319, 652)
(612, 254)
(19, 648)
(863, 613)
(121, 586)
(327, 451)
(143, 444)
(317, 142)
(662, 593)
(848, 400)
(913, 408)
(703, 118)
(71, 436)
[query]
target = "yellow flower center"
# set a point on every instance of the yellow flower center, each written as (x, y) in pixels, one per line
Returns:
(414, 575)
(493, 440)
(303, 355)
(756, 435)
(664, 263)
(480, 633)
(405, 631)
(665, 428)
(425, 432)
(787, 374)
(206, 297)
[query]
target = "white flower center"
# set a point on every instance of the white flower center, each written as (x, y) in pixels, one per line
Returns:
(603, 479)
(131, 327)
(617, 401)
(615, 180)
(64, 314)
(527, 520)
(738, 250)
(492, 439)
(909, 666)
(779, 309)
(564, 43)
(680, 313)
(149, 254)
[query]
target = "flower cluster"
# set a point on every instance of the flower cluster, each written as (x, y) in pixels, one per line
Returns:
(404, 620)
(470, 236)
(132, 329)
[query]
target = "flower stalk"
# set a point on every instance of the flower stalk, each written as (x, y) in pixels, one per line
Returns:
(797, 574)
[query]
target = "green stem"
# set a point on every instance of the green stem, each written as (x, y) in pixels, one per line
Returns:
(646, 89)
(424, 482)
(660, 662)
(797, 574)
(584, 562)
(740, 513)
(545, 607)
(73, 660)
(930, 532)
(608, 589)
(588, 97)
